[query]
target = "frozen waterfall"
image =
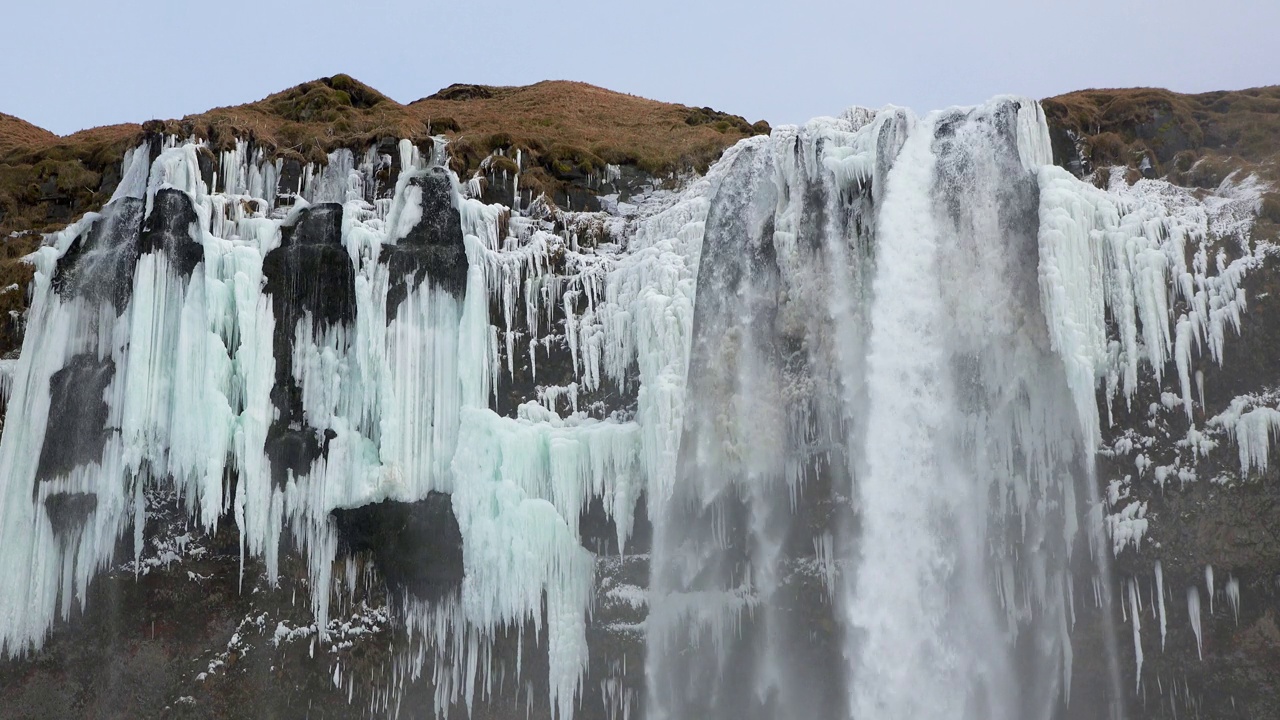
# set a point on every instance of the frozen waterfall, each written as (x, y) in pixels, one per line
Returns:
(850, 379)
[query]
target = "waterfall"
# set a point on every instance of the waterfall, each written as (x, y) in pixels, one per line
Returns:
(913, 538)
(869, 336)
(856, 376)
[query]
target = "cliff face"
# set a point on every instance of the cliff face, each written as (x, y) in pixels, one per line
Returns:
(193, 627)
(1212, 535)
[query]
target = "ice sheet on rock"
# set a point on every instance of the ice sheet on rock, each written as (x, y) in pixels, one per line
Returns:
(134, 170)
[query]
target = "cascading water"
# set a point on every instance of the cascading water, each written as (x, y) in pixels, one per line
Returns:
(868, 328)
(967, 487)
(853, 376)
(722, 641)
(913, 539)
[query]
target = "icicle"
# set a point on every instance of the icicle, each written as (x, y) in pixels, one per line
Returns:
(1253, 431)
(1136, 618)
(1208, 581)
(1193, 610)
(1160, 602)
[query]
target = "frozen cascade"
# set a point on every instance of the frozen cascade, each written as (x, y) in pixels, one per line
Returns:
(860, 355)
(329, 347)
(1002, 355)
(717, 537)
(835, 306)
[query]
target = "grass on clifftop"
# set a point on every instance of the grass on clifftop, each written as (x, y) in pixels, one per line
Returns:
(572, 125)
(1193, 140)
(16, 133)
(565, 130)
(1215, 133)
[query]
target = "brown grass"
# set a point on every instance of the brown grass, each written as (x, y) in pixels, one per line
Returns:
(563, 125)
(16, 132)
(13, 301)
(46, 183)
(1194, 139)
(564, 130)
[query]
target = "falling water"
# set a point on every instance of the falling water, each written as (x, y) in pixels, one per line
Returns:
(907, 498)
(865, 355)
(877, 340)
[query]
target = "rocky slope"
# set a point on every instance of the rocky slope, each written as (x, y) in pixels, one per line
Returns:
(179, 637)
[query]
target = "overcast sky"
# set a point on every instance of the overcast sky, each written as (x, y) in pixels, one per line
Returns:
(71, 65)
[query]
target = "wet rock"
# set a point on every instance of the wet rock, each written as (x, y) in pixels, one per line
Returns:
(68, 512)
(168, 229)
(310, 276)
(311, 271)
(416, 546)
(98, 265)
(599, 532)
(289, 183)
(77, 428)
(292, 449)
(433, 247)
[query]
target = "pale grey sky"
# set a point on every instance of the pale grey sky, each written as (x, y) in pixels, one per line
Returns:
(70, 65)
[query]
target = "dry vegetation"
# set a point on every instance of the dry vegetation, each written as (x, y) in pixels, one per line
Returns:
(15, 276)
(16, 133)
(46, 183)
(1194, 140)
(568, 126)
(565, 130)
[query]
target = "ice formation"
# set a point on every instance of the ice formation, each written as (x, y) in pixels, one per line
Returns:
(328, 353)
(1208, 581)
(1253, 426)
(1122, 255)
(1193, 610)
(1160, 602)
(896, 324)
(829, 342)
(1135, 619)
